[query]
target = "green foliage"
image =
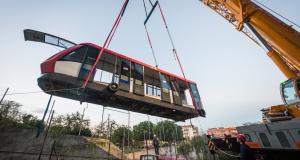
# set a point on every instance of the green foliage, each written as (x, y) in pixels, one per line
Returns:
(71, 124)
(198, 143)
(142, 129)
(10, 116)
(184, 148)
(102, 130)
(168, 131)
(119, 134)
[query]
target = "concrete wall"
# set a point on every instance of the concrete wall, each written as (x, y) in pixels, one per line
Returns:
(21, 144)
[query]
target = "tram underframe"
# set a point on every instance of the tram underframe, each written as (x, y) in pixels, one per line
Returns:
(97, 93)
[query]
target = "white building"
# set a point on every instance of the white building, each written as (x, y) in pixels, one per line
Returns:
(189, 131)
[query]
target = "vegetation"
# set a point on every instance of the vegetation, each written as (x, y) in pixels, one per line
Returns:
(141, 130)
(184, 148)
(10, 116)
(168, 131)
(71, 124)
(120, 134)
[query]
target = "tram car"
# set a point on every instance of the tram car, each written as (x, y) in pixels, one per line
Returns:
(118, 81)
(276, 140)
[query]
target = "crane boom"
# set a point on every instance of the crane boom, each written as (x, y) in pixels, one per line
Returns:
(280, 39)
(283, 40)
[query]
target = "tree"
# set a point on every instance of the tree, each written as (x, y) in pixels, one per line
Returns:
(198, 145)
(184, 148)
(9, 113)
(168, 131)
(121, 133)
(142, 129)
(102, 130)
(71, 124)
(28, 120)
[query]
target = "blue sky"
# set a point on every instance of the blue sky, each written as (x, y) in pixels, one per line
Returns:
(234, 76)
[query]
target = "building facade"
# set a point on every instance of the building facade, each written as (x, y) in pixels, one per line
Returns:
(189, 131)
(222, 131)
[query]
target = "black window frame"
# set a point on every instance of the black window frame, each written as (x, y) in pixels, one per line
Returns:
(69, 57)
(264, 139)
(283, 140)
(137, 73)
(84, 59)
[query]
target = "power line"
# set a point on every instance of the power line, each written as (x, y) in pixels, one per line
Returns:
(33, 92)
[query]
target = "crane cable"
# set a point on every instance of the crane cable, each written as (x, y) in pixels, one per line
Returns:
(277, 13)
(176, 55)
(171, 40)
(107, 42)
(148, 35)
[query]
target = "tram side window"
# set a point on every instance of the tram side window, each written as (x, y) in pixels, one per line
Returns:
(91, 56)
(265, 140)
(175, 88)
(283, 139)
(77, 55)
(152, 90)
(125, 70)
(138, 73)
(84, 54)
(195, 92)
(248, 138)
(165, 85)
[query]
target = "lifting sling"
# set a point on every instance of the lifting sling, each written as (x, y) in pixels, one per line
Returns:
(171, 40)
(107, 42)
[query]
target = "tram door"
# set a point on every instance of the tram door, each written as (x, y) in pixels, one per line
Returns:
(138, 79)
(124, 81)
(176, 92)
(87, 63)
(165, 86)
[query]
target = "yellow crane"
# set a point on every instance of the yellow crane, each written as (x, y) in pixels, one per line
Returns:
(281, 40)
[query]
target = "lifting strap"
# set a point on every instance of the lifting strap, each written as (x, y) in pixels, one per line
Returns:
(107, 42)
(171, 40)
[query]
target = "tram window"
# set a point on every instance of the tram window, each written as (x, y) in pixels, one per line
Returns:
(107, 62)
(283, 139)
(264, 140)
(77, 55)
(165, 85)
(152, 90)
(137, 71)
(91, 56)
(195, 92)
(248, 138)
(289, 94)
(125, 68)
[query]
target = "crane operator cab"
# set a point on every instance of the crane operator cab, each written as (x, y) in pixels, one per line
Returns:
(290, 91)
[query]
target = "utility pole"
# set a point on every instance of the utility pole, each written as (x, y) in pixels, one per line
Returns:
(101, 124)
(128, 136)
(176, 139)
(50, 112)
(46, 135)
(109, 136)
(80, 127)
(4, 95)
(148, 134)
(123, 143)
(40, 125)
